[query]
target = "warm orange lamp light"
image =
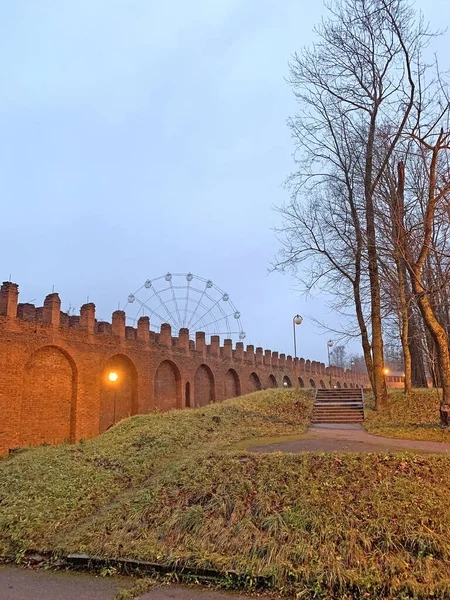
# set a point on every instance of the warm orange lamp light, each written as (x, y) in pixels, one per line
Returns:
(386, 371)
(113, 376)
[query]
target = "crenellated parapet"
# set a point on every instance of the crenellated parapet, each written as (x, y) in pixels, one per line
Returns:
(47, 355)
(50, 314)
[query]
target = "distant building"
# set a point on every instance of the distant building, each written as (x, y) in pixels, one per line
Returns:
(395, 379)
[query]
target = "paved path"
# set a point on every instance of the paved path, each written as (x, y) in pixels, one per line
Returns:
(17, 583)
(348, 438)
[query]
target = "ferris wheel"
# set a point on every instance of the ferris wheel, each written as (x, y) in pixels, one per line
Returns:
(185, 300)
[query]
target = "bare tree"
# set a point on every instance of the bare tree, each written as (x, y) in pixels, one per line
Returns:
(355, 83)
(322, 243)
(396, 296)
(357, 364)
(425, 244)
(338, 356)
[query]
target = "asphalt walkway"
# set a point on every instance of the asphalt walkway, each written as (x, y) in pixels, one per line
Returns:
(348, 438)
(17, 583)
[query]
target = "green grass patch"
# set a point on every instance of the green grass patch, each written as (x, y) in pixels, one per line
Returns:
(414, 416)
(172, 488)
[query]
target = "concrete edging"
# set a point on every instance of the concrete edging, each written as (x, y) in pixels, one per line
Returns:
(127, 566)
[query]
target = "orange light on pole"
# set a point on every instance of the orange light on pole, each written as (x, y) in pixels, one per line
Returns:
(113, 376)
(386, 371)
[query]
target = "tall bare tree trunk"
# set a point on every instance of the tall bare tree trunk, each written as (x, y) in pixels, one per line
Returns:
(416, 349)
(404, 334)
(356, 283)
(432, 359)
(379, 379)
(437, 331)
(364, 334)
(438, 335)
(399, 252)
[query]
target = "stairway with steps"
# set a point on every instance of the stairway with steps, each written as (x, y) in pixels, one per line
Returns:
(338, 406)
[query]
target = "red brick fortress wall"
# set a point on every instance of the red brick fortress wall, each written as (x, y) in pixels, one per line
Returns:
(54, 371)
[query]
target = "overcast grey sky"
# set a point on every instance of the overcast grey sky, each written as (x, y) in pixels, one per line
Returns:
(140, 137)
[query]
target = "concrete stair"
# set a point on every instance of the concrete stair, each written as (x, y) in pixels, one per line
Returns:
(338, 406)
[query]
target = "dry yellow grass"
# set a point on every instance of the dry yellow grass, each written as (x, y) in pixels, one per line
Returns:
(412, 417)
(46, 490)
(171, 488)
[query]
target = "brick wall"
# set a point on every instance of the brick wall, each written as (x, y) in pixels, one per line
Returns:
(254, 382)
(54, 371)
(49, 393)
(167, 386)
(204, 388)
(232, 384)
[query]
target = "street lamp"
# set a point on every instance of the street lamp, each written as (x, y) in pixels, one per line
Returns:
(386, 373)
(113, 377)
(352, 374)
(330, 344)
(297, 320)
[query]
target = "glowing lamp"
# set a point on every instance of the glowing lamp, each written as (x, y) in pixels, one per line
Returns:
(113, 376)
(386, 371)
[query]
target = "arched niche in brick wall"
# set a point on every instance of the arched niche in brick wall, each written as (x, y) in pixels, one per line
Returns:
(48, 398)
(301, 383)
(187, 395)
(204, 386)
(255, 382)
(272, 382)
(232, 384)
(118, 391)
(312, 383)
(322, 384)
(287, 382)
(167, 386)
(338, 385)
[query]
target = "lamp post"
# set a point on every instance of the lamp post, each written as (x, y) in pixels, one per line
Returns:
(386, 373)
(297, 320)
(113, 377)
(330, 344)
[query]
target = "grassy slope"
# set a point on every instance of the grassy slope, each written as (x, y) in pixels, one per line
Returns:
(168, 488)
(46, 490)
(413, 417)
